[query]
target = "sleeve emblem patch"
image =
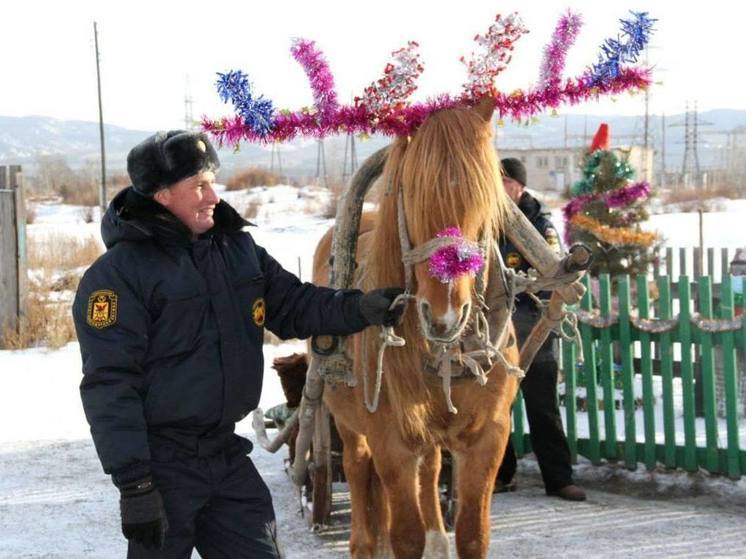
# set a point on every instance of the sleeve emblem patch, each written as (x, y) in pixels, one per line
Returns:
(513, 260)
(258, 311)
(552, 239)
(102, 309)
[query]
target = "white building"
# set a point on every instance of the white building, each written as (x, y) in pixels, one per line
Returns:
(556, 169)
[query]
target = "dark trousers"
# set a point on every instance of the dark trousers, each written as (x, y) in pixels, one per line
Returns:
(217, 504)
(548, 438)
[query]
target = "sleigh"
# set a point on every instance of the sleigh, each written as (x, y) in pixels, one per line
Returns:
(314, 447)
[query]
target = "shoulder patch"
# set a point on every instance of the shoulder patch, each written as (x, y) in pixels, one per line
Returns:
(102, 309)
(513, 260)
(258, 311)
(552, 238)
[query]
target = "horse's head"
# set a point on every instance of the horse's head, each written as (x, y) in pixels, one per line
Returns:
(451, 191)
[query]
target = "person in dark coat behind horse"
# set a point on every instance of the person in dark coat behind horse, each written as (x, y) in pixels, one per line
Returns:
(539, 387)
(171, 323)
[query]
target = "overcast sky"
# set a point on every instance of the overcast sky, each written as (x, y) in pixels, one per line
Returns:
(152, 51)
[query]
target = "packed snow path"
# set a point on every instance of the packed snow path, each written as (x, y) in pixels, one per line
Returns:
(56, 503)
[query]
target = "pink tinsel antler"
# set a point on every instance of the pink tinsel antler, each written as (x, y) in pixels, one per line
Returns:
(555, 52)
(322, 82)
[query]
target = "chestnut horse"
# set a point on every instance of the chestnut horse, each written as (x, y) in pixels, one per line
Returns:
(448, 175)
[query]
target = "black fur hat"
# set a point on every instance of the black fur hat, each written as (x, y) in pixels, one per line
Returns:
(168, 157)
(514, 169)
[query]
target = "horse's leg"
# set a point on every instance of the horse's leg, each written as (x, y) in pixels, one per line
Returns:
(397, 467)
(381, 512)
(358, 471)
(436, 541)
(477, 467)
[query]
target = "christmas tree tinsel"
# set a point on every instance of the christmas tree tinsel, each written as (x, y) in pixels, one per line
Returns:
(606, 214)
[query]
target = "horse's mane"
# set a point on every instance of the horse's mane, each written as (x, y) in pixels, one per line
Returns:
(449, 175)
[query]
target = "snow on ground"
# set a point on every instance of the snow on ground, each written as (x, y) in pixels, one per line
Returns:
(56, 502)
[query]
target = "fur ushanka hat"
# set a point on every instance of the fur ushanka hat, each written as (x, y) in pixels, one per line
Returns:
(168, 157)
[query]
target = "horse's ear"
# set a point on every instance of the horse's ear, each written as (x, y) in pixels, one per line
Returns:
(485, 107)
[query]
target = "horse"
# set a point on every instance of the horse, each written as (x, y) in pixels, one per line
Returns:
(445, 175)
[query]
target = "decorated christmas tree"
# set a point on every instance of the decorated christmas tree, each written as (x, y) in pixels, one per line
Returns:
(607, 210)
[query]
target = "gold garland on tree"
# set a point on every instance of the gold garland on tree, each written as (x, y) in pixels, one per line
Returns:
(613, 235)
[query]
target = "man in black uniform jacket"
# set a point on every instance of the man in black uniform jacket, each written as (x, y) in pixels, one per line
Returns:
(540, 384)
(171, 322)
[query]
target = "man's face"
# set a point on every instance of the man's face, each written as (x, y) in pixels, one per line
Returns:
(192, 200)
(513, 188)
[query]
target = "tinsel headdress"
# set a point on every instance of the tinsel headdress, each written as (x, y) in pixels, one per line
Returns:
(383, 107)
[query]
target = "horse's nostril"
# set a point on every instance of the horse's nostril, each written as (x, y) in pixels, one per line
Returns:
(425, 309)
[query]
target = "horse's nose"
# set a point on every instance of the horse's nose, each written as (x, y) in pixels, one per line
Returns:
(436, 327)
(445, 325)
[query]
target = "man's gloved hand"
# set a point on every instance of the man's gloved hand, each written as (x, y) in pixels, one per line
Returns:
(376, 306)
(143, 516)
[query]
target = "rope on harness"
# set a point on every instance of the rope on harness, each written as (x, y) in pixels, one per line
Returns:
(567, 320)
(389, 339)
(570, 320)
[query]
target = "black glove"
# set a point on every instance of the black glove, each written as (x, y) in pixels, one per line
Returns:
(376, 306)
(143, 516)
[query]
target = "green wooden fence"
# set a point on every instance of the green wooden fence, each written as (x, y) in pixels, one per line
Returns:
(684, 353)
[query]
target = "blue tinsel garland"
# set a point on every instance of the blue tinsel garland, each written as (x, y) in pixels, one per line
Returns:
(257, 113)
(615, 52)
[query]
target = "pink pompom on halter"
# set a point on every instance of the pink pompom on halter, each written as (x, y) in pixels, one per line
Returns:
(460, 257)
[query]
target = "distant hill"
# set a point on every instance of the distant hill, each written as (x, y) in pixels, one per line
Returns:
(23, 139)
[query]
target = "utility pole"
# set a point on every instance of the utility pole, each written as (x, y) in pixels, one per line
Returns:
(565, 131)
(585, 130)
(647, 107)
(102, 191)
(690, 168)
(188, 105)
(663, 150)
(321, 163)
(349, 149)
(276, 155)
(695, 142)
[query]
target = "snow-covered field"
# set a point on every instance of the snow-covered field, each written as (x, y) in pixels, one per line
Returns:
(55, 501)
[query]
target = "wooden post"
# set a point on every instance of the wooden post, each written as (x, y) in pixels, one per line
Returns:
(701, 240)
(711, 458)
(682, 262)
(724, 262)
(697, 263)
(606, 362)
(646, 369)
(687, 375)
(322, 468)
(666, 347)
(12, 248)
(626, 346)
(669, 262)
(589, 372)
